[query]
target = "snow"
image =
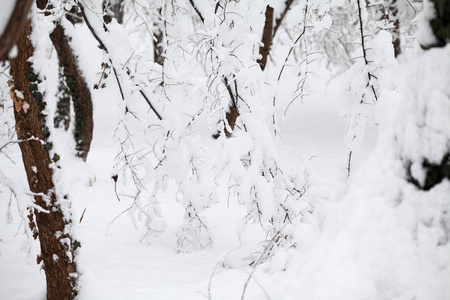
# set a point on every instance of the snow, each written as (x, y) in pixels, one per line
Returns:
(189, 234)
(116, 264)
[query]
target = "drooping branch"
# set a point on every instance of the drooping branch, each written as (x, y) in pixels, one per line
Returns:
(14, 27)
(102, 46)
(116, 75)
(150, 104)
(296, 40)
(197, 11)
(364, 50)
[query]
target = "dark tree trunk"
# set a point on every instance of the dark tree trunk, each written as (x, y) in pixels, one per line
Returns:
(13, 28)
(440, 24)
(233, 113)
(267, 38)
(436, 172)
(390, 14)
(231, 117)
(393, 8)
(158, 47)
(56, 248)
(78, 90)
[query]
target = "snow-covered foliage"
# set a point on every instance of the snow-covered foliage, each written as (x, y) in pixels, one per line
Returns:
(209, 60)
(266, 199)
(389, 239)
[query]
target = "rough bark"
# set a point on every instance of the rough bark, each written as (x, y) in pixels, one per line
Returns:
(12, 30)
(267, 37)
(56, 248)
(78, 91)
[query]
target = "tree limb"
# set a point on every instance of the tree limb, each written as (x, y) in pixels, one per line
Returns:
(14, 27)
(267, 37)
(103, 46)
(197, 11)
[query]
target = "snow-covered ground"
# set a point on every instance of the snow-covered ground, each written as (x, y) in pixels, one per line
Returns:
(116, 264)
(359, 243)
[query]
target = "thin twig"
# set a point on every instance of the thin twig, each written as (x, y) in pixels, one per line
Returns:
(361, 29)
(279, 21)
(116, 75)
(197, 11)
(150, 104)
(295, 42)
(349, 163)
(258, 261)
(102, 45)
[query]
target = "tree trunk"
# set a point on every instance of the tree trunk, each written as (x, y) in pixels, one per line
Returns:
(57, 251)
(233, 113)
(440, 24)
(436, 172)
(78, 90)
(158, 47)
(267, 38)
(390, 14)
(393, 8)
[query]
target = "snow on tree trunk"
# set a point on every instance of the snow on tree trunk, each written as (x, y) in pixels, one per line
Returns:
(267, 37)
(78, 91)
(429, 167)
(439, 22)
(49, 219)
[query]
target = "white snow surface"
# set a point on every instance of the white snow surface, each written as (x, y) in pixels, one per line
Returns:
(372, 236)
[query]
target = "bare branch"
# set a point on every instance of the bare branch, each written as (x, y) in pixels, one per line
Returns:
(14, 27)
(197, 11)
